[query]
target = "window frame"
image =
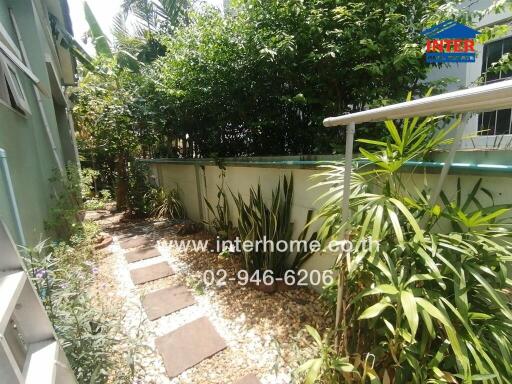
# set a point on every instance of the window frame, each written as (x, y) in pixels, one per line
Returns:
(491, 131)
(485, 63)
(13, 81)
(9, 42)
(4, 92)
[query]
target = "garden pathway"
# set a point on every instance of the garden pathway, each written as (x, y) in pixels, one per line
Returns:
(264, 333)
(191, 343)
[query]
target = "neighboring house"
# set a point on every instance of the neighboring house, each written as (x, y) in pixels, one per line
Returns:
(490, 130)
(36, 131)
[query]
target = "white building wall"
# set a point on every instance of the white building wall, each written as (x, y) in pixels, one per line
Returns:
(467, 75)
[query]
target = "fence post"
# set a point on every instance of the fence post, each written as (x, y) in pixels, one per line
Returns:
(199, 189)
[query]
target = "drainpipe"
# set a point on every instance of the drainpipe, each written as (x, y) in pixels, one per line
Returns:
(6, 176)
(71, 129)
(38, 96)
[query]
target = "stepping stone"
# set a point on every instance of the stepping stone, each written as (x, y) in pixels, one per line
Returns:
(142, 254)
(249, 379)
(135, 242)
(150, 273)
(189, 345)
(167, 301)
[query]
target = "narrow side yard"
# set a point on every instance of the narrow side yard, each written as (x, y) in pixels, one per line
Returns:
(263, 332)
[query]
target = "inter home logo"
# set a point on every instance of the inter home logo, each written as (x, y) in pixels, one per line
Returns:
(450, 42)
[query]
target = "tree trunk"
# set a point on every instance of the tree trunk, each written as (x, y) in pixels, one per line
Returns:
(121, 183)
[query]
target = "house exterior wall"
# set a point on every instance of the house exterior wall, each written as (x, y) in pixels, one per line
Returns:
(467, 74)
(25, 137)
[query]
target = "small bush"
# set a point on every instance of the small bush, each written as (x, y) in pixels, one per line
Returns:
(221, 221)
(138, 188)
(63, 273)
(64, 217)
(425, 305)
(259, 221)
(165, 204)
(99, 202)
(87, 176)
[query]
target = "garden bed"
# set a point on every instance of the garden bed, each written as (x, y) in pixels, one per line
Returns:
(264, 332)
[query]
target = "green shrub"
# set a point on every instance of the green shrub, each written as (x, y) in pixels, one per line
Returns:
(64, 217)
(427, 307)
(328, 366)
(221, 221)
(139, 188)
(63, 273)
(165, 204)
(260, 223)
(87, 176)
(99, 202)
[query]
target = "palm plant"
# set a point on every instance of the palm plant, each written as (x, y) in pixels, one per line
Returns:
(428, 306)
(151, 15)
(100, 40)
(140, 23)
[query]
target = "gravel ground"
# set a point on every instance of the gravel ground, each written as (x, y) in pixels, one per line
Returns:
(264, 332)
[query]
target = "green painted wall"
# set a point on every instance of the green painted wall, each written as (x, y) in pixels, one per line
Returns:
(24, 138)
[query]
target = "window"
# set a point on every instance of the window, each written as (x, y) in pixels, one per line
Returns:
(8, 42)
(495, 122)
(11, 88)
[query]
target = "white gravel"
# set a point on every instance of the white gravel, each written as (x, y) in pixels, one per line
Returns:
(259, 352)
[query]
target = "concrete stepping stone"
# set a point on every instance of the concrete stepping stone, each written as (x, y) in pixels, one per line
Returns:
(142, 254)
(166, 301)
(150, 273)
(130, 232)
(135, 242)
(188, 345)
(249, 379)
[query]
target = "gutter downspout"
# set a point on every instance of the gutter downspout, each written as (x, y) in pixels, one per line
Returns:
(4, 168)
(71, 129)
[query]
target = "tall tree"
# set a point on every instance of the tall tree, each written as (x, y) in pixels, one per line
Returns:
(100, 40)
(154, 15)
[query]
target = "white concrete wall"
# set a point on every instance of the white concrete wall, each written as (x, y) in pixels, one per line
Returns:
(238, 179)
(182, 177)
(241, 178)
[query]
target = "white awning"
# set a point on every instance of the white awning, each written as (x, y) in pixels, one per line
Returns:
(483, 98)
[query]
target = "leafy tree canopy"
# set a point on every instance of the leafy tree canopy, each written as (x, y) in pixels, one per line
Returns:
(257, 80)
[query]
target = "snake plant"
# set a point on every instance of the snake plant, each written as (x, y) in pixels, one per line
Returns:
(259, 221)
